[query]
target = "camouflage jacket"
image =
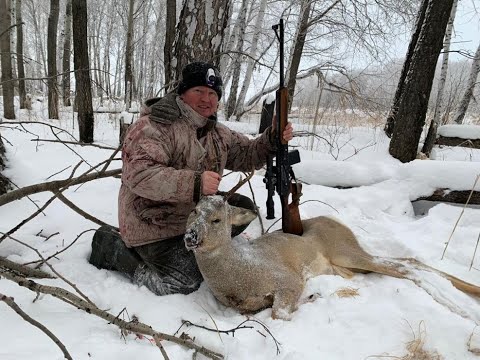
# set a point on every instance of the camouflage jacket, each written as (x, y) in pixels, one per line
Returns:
(164, 154)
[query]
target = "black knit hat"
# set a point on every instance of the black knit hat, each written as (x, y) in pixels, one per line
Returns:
(200, 73)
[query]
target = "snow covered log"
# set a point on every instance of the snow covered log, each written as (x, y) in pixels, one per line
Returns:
(459, 135)
(455, 196)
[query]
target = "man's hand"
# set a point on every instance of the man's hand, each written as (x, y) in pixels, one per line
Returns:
(287, 132)
(210, 182)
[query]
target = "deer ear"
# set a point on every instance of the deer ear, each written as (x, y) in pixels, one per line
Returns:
(241, 216)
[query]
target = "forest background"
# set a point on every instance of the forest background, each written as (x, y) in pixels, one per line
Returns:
(404, 67)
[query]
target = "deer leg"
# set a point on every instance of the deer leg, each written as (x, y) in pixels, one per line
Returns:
(285, 302)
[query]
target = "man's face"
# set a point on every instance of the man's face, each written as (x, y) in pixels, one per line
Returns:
(202, 99)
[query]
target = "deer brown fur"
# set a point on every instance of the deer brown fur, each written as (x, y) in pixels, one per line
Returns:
(271, 271)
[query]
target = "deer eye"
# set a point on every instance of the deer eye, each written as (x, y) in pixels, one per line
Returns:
(216, 221)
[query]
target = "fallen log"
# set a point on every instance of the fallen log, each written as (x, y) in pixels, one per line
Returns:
(453, 196)
(456, 141)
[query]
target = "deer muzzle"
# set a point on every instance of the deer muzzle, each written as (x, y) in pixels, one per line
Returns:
(191, 239)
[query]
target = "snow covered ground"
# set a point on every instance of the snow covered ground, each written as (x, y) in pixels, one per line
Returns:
(377, 323)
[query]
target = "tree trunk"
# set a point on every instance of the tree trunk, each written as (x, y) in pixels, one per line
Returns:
(67, 46)
(129, 58)
(296, 54)
(52, 60)
(4, 183)
(250, 60)
(7, 78)
(199, 35)
(472, 81)
(82, 71)
(413, 103)
(390, 124)
(439, 107)
(169, 39)
(237, 60)
(13, 40)
(22, 93)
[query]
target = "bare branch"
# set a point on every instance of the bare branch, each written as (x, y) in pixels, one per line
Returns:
(137, 327)
(10, 302)
(54, 185)
(23, 270)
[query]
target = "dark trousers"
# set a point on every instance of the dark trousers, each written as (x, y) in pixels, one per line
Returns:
(164, 267)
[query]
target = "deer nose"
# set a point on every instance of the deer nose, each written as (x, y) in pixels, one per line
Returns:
(191, 239)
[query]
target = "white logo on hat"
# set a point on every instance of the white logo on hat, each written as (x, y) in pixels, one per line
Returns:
(211, 77)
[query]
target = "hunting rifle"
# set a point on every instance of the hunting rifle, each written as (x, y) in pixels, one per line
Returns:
(280, 176)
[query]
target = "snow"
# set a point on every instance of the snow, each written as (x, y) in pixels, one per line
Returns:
(384, 316)
(460, 131)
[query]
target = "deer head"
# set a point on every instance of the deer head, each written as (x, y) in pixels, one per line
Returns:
(209, 224)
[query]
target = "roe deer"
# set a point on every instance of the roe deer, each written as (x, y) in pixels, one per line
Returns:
(271, 271)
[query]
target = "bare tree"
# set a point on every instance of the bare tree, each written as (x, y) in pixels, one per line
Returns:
(237, 60)
(83, 97)
(129, 57)
(7, 77)
(251, 58)
(297, 49)
(390, 124)
(171, 20)
(468, 94)
(439, 103)
(413, 103)
(4, 183)
(67, 46)
(52, 59)
(199, 35)
(20, 62)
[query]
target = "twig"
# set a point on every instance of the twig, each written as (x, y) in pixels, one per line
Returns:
(461, 214)
(53, 269)
(474, 253)
(256, 206)
(10, 302)
(23, 222)
(72, 299)
(75, 143)
(232, 331)
(40, 262)
(75, 208)
(160, 346)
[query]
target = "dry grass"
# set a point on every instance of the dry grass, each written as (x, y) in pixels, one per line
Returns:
(346, 292)
(414, 348)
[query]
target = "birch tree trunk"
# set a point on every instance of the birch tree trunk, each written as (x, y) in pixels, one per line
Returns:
(52, 60)
(67, 46)
(412, 107)
(467, 95)
(7, 78)
(171, 21)
(20, 64)
(82, 71)
(13, 39)
(237, 62)
(129, 57)
(439, 105)
(250, 60)
(199, 34)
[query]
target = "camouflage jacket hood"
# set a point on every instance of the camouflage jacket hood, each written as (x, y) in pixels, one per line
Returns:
(164, 154)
